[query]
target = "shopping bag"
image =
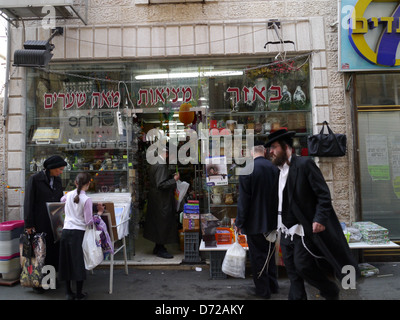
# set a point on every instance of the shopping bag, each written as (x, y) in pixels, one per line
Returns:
(92, 251)
(234, 263)
(327, 145)
(180, 191)
(32, 248)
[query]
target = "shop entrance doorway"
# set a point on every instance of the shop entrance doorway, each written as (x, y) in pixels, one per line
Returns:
(140, 249)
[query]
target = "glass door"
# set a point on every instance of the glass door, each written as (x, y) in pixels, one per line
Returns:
(379, 149)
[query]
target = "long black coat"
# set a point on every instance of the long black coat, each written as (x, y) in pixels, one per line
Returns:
(254, 212)
(161, 222)
(37, 193)
(310, 201)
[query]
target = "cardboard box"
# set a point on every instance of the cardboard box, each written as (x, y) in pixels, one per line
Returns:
(191, 222)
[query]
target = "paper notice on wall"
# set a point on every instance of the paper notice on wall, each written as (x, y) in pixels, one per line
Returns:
(216, 171)
(395, 164)
(377, 157)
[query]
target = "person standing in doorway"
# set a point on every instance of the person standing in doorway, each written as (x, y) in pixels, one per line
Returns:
(312, 240)
(161, 222)
(78, 215)
(44, 186)
(256, 219)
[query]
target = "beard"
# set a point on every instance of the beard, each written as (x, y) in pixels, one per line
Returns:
(280, 159)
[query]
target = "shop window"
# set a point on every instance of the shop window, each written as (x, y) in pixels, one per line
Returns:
(378, 90)
(72, 111)
(75, 118)
(379, 147)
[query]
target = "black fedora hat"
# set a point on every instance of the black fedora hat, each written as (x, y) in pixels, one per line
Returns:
(281, 134)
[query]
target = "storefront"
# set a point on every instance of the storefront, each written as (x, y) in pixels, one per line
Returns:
(72, 111)
(373, 83)
(249, 75)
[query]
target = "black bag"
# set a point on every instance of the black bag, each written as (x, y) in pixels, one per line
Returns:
(327, 145)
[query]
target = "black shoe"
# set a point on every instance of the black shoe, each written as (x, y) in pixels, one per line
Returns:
(70, 296)
(82, 296)
(330, 297)
(158, 248)
(164, 254)
(38, 290)
(252, 292)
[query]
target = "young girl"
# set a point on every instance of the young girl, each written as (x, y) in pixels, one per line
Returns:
(78, 214)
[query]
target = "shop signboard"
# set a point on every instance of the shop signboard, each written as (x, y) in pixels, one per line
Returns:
(369, 35)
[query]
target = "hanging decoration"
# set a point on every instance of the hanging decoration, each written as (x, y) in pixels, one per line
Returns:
(185, 115)
(269, 71)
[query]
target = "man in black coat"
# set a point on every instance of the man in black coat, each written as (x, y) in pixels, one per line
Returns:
(256, 219)
(44, 186)
(312, 238)
(161, 223)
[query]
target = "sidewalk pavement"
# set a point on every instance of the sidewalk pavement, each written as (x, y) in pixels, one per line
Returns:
(185, 283)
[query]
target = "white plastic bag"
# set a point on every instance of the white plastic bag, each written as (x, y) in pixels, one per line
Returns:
(91, 245)
(180, 191)
(234, 263)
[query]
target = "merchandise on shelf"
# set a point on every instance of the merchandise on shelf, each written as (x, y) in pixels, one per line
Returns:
(209, 224)
(224, 235)
(372, 233)
(191, 216)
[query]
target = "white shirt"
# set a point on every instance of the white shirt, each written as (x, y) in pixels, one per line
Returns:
(297, 228)
(77, 215)
(282, 182)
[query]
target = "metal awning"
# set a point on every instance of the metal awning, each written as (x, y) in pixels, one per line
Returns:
(16, 10)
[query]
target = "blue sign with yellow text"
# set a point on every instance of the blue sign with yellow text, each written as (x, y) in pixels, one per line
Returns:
(369, 35)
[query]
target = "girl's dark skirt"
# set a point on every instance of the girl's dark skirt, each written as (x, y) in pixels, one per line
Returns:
(72, 265)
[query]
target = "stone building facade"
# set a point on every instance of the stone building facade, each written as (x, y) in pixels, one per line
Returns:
(129, 30)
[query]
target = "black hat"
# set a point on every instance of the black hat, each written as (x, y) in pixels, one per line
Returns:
(281, 134)
(54, 162)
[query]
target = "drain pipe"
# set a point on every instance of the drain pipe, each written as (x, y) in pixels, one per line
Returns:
(5, 114)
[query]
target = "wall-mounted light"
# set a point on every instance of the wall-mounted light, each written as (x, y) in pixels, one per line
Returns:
(36, 53)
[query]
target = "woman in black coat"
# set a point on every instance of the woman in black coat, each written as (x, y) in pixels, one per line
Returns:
(44, 186)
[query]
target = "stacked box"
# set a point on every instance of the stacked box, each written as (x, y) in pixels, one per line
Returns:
(216, 259)
(191, 207)
(372, 233)
(191, 222)
(10, 232)
(191, 247)
(191, 216)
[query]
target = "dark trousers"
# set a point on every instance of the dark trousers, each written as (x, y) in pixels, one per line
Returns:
(301, 265)
(258, 253)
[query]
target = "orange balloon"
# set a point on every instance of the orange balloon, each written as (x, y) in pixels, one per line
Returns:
(185, 115)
